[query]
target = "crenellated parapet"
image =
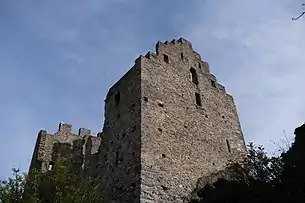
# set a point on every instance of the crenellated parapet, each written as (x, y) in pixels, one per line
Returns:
(65, 128)
(181, 51)
(177, 49)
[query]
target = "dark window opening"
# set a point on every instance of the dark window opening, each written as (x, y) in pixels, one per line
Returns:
(160, 129)
(199, 65)
(182, 56)
(50, 166)
(163, 156)
(164, 187)
(161, 105)
(213, 83)
(118, 158)
(117, 98)
(121, 188)
(185, 126)
(165, 58)
(223, 116)
(123, 135)
(206, 116)
(145, 99)
(118, 116)
(133, 105)
(193, 76)
(228, 146)
(213, 164)
(198, 99)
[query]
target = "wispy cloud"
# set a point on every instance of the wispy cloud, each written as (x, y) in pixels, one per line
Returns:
(256, 51)
(59, 59)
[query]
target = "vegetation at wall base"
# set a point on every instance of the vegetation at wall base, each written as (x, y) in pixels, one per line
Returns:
(258, 179)
(58, 185)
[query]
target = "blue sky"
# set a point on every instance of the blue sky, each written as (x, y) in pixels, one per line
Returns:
(58, 59)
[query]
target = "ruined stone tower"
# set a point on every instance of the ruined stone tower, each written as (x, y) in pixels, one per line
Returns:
(168, 122)
(82, 146)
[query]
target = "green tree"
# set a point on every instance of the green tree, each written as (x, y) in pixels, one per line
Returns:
(11, 191)
(255, 180)
(59, 185)
(261, 178)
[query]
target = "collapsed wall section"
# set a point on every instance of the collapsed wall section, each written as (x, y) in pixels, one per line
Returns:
(82, 147)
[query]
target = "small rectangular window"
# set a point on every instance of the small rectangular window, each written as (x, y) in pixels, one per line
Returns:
(117, 98)
(228, 146)
(198, 99)
(213, 83)
(165, 58)
(118, 158)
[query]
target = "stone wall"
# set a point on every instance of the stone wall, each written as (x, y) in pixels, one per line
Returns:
(120, 155)
(181, 140)
(168, 122)
(82, 147)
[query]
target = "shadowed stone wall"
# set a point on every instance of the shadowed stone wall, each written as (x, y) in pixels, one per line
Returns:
(82, 147)
(120, 154)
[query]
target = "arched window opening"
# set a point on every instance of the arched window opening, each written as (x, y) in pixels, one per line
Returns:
(193, 76)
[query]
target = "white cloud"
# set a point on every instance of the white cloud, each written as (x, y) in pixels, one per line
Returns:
(257, 52)
(58, 61)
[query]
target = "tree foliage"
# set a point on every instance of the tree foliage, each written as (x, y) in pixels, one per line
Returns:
(258, 179)
(11, 190)
(261, 178)
(58, 185)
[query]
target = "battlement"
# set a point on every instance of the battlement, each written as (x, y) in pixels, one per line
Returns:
(182, 50)
(171, 53)
(66, 129)
(177, 50)
(180, 41)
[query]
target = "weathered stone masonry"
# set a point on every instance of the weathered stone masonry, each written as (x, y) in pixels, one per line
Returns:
(168, 122)
(82, 146)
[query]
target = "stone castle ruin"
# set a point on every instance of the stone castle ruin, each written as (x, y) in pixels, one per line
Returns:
(168, 122)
